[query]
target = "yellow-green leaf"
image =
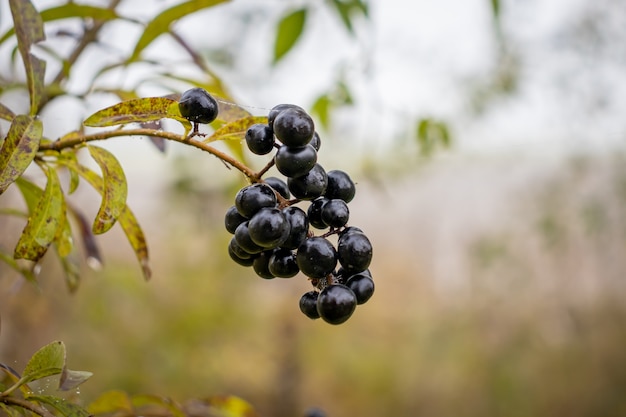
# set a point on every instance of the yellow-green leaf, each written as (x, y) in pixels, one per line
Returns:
(19, 149)
(111, 402)
(288, 32)
(160, 24)
(6, 113)
(114, 192)
(43, 223)
(47, 361)
(137, 111)
(235, 130)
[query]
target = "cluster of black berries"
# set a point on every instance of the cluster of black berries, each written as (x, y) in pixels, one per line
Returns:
(275, 237)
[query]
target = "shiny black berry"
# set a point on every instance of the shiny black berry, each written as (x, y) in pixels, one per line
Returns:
(278, 109)
(197, 105)
(362, 285)
(261, 265)
(316, 257)
(232, 219)
(336, 303)
(279, 186)
(298, 227)
(354, 251)
(260, 139)
(283, 263)
(239, 255)
(254, 197)
(316, 142)
(335, 213)
(310, 185)
(293, 127)
(268, 227)
(340, 186)
(245, 242)
(308, 304)
(295, 161)
(315, 213)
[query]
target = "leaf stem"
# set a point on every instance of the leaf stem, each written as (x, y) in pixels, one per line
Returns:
(27, 405)
(78, 140)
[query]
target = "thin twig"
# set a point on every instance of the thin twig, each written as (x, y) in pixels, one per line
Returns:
(27, 405)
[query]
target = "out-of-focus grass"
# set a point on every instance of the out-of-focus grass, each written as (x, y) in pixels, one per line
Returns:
(496, 295)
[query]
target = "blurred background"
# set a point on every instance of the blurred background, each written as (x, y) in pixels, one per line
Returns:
(487, 141)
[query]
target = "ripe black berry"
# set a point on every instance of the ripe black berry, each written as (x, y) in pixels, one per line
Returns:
(278, 109)
(283, 263)
(335, 213)
(293, 127)
(268, 227)
(261, 265)
(243, 239)
(295, 161)
(239, 255)
(316, 142)
(279, 186)
(316, 257)
(299, 227)
(362, 285)
(315, 213)
(354, 251)
(340, 186)
(197, 105)
(309, 186)
(232, 219)
(336, 303)
(260, 139)
(308, 304)
(254, 197)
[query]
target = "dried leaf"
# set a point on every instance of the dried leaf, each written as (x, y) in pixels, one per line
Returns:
(114, 192)
(19, 149)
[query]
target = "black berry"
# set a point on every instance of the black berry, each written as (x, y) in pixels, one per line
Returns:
(316, 142)
(268, 227)
(298, 227)
(254, 197)
(362, 285)
(315, 213)
(316, 257)
(308, 304)
(279, 186)
(295, 161)
(310, 185)
(336, 303)
(335, 213)
(245, 242)
(283, 263)
(354, 251)
(261, 265)
(197, 105)
(276, 110)
(293, 127)
(340, 186)
(232, 219)
(238, 255)
(260, 139)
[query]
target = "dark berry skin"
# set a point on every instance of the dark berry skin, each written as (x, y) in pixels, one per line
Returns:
(197, 105)
(283, 264)
(354, 252)
(340, 186)
(268, 227)
(335, 213)
(316, 257)
(234, 251)
(336, 303)
(299, 227)
(276, 110)
(315, 213)
(243, 239)
(308, 304)
(309, 186)
(293, 127)
(294, 162)
(362, 285)
(350, 229)
(260, 139)
(232, 219)
(253, 198)
(316, 142)
(261, 265)
(279, 186)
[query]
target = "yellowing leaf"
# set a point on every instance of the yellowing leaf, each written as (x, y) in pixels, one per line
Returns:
(235, 130)
(6, 113)
(114, 191)
(47, 361)
(43, 223)
(19, 149)
(137, 111)
(111, 402)
(160, 24)
(288, 32)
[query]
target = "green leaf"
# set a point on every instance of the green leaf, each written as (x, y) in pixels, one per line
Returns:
(495, 8)
(71, 379)
(19, 149)
(231, 406)
(111, 402)
(114, 192)
(126, 219)
(47, 361)
(288, 32)
(44, 222)
(29, 30)
(6, 114)
(346, 10)
(137, 111)
(430, 134)
(11, 411)
(235, 130)
(61, 405)
(150, 401)
(160, 24)
(321, 108)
